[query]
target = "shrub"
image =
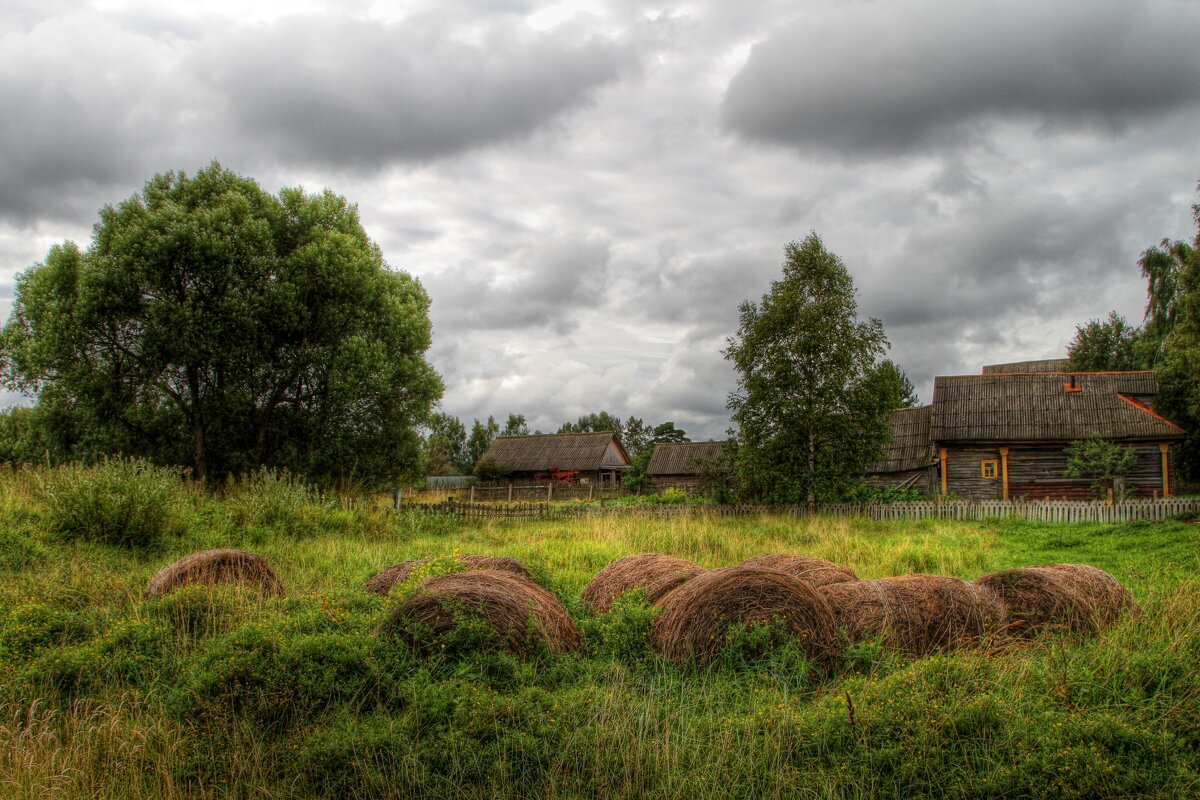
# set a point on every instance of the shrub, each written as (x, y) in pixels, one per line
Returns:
(266, 675)
(265, 501)
(129, 652)
(126, 502)
(623, 633)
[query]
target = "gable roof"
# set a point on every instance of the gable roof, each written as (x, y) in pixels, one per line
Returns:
(910, 446)
(1019, 407)
(581, 451)
(1041, 365)
(682, 458)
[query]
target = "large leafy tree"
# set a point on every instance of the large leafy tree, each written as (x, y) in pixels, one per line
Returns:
(1107, 345)
(480, 439)
(446, 446)
(596, 422)
(1179, 364)
(812, 401)
(213, 324)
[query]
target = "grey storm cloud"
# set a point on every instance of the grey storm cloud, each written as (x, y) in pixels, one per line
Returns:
(546, 286)
(888, 78)
(361, 94)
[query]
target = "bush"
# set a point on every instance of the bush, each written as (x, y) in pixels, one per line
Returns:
(623, 633)
(266, 502)
(126, 502)
(267, 675)
(129, 652)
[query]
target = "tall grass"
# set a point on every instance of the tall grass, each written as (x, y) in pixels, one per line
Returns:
(223, 694)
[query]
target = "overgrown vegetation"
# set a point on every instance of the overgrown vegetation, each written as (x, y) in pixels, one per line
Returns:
(222, 693)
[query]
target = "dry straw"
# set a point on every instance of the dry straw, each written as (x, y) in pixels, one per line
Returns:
(697, 616)
(1108, 596)
(383, 582)
(656, 573)
(918, 614)
(523, 616)
(816, 572)
(214, 567)
(1037, 598)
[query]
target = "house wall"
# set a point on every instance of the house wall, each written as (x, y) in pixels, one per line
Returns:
(688, 483)
(1036, 472)
(923, 480)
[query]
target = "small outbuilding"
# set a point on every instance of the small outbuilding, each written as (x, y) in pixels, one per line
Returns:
(682, 465)
(560, 457)
(908, 461)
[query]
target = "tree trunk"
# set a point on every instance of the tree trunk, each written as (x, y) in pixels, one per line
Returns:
(199, 456)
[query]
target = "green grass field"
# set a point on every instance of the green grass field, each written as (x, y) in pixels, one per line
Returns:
(217, 693)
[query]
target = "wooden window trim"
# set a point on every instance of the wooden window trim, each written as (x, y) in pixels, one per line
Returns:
(994, 463)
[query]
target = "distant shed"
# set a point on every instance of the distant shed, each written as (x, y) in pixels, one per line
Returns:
(908, 460)
(595, 457)
(682, 464)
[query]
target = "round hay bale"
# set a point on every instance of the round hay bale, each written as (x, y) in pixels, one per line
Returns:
(696, 616)
(1037, 598)
(214, 567)
(522, 615)
(918, 614)
(1108, 596)
(816, 572)
(654, 572)
(382, 582)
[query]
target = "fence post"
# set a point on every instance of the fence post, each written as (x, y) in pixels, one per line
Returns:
(549, 491)
(510, 491)
(472, 500)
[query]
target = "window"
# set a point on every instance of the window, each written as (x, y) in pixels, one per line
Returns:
(989, 469)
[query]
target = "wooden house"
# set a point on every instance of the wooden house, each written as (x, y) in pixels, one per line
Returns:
(682, 464)
(1004, 435)
(908, 461)
(561, 457)
(1041, 365)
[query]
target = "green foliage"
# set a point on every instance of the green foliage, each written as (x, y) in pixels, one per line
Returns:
(19, 550)
(515, 425)
(636, 436)
(267, 501)
(481, 438)
(1104, 346)
(213, 324)
(636, 479)
(125, 502)
(890, 372)
(667, 432)
(812, 401)
(601, 422)
(30, 627)
(271, 675)
(1099, 459)
(129, 652)
(769, 653)
(486, 469)
(1179, 368)
(446, 446)
(622, 634)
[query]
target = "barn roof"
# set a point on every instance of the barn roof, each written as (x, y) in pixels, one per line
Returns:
(1042, 365)
(682, 458)
(1038, 407)
(582, 451)
(910, 446)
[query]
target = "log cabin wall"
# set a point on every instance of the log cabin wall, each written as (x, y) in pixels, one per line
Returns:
(922, 479)
(1038, 472)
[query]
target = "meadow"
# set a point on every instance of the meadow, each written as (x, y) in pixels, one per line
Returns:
(218, 692)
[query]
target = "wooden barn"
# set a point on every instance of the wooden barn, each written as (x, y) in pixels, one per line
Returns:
(1004, 435)
(561, 457)
(908, 461)
(682, 464)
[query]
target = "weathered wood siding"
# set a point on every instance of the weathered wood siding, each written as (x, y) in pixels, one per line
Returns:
(963, 476)
(924, 480)
(1037, 472)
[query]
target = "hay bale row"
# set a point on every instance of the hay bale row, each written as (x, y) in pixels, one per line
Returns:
(523, 616)
(214, 568)
(696, 616)
(654, 572)
(816, 572)
(918, 614)
(382, 582)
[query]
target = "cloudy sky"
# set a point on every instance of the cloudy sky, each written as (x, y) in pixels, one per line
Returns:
(588, 189)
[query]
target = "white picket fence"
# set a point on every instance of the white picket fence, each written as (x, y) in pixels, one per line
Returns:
(1036, 511)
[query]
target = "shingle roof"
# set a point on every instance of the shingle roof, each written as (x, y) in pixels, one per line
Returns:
(1043, 365)
(1037, 407)
(910, 447)
(582, 451)
(682, 458)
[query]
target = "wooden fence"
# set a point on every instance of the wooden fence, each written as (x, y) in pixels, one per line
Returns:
(509, 493)
(1050, 511)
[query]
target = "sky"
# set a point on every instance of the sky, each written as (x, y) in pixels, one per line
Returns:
(588, 190)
